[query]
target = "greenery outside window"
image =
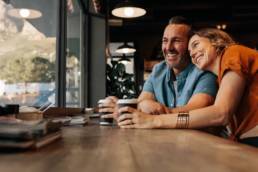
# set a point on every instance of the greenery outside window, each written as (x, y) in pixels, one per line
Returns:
(27, 53)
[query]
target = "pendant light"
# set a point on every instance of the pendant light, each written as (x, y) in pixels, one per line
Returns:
(127, 9)
(124, 60)
(125, 49)
(24, 13)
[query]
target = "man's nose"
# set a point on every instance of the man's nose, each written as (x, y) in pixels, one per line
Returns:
(169, 46)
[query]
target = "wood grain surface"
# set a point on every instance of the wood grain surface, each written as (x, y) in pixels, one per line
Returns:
(95, 148)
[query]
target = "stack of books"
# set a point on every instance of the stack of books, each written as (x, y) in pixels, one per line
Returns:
(28, 134)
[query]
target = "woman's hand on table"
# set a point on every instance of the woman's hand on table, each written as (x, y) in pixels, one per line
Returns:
(133, 118)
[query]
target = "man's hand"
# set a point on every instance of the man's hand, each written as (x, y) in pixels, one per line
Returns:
(152, 107)
(110, 107)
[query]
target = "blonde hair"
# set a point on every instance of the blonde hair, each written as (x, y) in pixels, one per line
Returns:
(218, 38)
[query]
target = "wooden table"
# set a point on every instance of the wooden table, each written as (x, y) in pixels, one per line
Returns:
(96, 148)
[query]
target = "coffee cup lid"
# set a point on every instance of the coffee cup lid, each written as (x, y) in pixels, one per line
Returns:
(127, 101)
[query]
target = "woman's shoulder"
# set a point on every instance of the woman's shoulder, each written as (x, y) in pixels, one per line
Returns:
(239, 53)
(239, 48)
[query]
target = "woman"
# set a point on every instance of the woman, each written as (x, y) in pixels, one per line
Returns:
(236, 103)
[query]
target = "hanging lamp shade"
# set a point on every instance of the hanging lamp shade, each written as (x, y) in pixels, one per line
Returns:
(25, 13)
(125, 49)
(128, 9)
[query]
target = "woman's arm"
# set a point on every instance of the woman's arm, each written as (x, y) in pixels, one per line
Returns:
(196, 101)
(227, 100)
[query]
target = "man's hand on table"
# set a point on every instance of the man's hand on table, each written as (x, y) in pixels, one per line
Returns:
(109, 107)
(152, 107)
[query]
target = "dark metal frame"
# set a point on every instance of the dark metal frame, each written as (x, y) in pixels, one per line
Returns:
(85, 53)
(61, 55)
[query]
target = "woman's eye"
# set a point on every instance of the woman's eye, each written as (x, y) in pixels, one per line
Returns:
(194, 45)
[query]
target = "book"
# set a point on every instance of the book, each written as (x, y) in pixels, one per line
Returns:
(23, 134)
(47, 139)
(35, 143)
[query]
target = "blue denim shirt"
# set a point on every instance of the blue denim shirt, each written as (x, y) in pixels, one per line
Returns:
(188, 82)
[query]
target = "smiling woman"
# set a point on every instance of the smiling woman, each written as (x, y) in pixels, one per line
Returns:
(212, 44)
(236, 67)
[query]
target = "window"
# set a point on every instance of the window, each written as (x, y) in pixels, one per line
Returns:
(73, 55)
(42, 57)
(27, 51)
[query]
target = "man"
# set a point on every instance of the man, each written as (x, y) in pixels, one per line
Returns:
(175, 84)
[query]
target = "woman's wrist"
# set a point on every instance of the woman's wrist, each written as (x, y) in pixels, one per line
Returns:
(157, 121)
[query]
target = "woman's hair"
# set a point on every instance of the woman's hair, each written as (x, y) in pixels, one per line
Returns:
(219, 39)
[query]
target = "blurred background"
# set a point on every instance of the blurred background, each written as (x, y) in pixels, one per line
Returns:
(64, 52)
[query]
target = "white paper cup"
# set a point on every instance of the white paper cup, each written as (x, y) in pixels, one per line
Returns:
(104, 121)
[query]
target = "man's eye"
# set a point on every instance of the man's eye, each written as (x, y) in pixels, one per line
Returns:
(177, 40)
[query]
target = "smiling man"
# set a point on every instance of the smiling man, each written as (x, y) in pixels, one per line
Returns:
(175, 84)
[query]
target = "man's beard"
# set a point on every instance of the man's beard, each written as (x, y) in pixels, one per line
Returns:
(180, 62)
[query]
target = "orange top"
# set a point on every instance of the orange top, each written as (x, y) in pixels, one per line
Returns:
(243, 61)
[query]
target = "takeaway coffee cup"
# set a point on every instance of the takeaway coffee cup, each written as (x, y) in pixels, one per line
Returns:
(127, 102)
(104, 121)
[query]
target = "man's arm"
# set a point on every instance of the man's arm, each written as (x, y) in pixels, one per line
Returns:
(203, 95)
(196, 101)
(145, 95)
(148, 104)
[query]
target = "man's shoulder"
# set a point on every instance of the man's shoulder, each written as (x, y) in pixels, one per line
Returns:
(198, 72)
(159, 70)
(161, 66)
(195, 74)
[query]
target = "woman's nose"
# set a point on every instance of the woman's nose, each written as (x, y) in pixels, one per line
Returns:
(191, 53)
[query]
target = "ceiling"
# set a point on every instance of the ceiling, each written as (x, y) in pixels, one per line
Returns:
(241, 19)
(239, 16)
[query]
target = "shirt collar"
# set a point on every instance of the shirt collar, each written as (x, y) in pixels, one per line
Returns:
(181, 75)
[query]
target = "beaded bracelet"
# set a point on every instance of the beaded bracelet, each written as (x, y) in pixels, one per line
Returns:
(182, 120)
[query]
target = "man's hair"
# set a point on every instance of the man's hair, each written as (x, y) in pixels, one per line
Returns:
(179, 20)
(182, 20)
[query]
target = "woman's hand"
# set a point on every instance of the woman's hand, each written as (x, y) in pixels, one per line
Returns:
(132, 118)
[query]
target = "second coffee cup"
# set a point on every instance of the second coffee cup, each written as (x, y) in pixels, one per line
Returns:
(127, 102)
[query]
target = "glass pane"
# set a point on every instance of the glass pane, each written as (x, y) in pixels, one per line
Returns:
(27, 51)
(73, 55)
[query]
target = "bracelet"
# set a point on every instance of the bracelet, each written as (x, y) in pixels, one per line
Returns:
(182, 120)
